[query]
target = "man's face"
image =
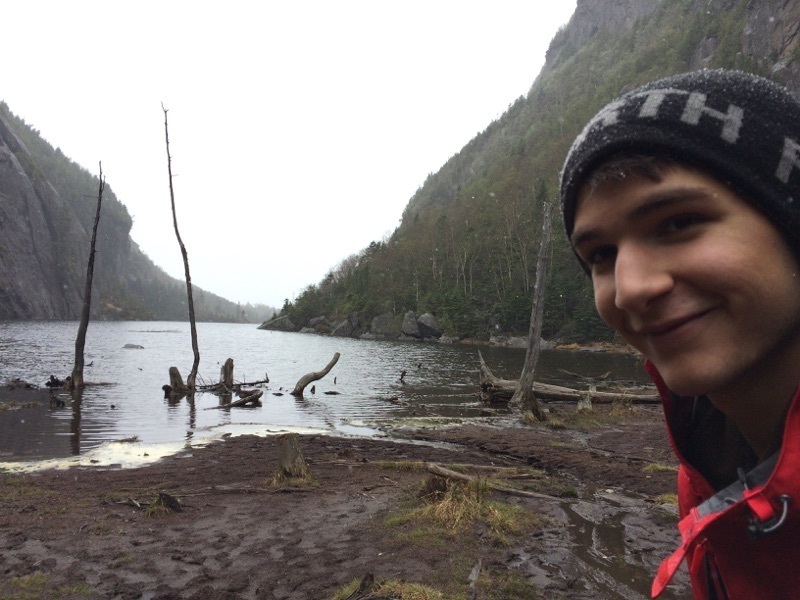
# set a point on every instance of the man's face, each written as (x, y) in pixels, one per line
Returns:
(694, 278)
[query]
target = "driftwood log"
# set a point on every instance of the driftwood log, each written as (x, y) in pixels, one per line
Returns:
(314, 376)
(495, 390)
(441, 471)
(246, 398)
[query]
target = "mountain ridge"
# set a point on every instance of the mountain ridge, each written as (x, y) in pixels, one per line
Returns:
(47, 207)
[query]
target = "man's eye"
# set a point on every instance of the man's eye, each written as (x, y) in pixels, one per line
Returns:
(682, 222)
(600, 255)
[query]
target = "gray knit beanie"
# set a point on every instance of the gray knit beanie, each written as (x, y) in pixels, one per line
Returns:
(740, 128)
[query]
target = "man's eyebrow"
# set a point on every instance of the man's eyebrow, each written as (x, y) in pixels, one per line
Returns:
(657, 201)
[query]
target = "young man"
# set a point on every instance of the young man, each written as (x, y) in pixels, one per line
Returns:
(682, 201)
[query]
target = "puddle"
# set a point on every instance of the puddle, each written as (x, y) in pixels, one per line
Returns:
(615, 545)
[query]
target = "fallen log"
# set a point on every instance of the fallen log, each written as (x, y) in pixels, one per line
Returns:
(252, 398)
(495, 390)
(314, 376)
(450, 474)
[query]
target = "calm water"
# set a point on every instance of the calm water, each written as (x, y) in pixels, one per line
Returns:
(441, 381)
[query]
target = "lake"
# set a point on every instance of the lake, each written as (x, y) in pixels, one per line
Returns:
(132, 359)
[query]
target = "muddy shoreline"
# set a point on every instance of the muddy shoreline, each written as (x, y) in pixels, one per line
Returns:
(88, 533)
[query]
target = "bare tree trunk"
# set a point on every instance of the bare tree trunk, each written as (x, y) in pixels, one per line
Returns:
(76, 381)
(190, 380)
(309, 377)
(524, 397)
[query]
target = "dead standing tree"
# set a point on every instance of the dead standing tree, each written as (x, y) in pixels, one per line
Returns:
(524, 397)
(190, 380)
(76, 381)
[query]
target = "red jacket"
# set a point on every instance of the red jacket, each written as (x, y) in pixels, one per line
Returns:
(742, 542)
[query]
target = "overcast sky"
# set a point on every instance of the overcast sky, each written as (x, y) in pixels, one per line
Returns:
(299, 130)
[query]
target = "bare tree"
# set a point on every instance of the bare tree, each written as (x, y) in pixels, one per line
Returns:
(76, 381)
(524, 396)
(190, 380)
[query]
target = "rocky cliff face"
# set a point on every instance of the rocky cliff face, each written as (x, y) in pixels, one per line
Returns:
(770, 36)
(36, 227)
(47, 210)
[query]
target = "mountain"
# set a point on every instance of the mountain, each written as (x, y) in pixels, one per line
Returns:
(47, 209)
(465, 249)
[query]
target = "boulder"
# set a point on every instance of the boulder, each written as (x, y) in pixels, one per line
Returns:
(429, 326)
(384, 325)
(319, 321)
(410, 328)
(343, 329)
(279, 324)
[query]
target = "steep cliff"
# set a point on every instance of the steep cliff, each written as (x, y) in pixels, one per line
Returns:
(464, 248)
(47, 207)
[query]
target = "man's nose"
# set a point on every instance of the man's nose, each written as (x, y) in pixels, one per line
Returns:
(639, 277)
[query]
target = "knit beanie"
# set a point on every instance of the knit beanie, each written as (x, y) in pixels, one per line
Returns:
(742, 129)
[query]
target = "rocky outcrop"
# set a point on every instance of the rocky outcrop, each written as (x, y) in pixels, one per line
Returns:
(593, 17)
(429, 327)
(279, 324)
(320, 325)
(344, 328)
(385, 325)
(410, 328)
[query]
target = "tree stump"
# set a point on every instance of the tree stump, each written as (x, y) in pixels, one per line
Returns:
(291, 464)
(176, 381)
(226, 374)
(585, 402)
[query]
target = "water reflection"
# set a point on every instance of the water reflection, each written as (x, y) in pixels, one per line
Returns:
(363, 389)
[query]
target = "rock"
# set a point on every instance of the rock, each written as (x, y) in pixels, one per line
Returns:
(410, 328)
(429, 326)
(385, 325)
(133, 347)
(279, 324)
(343, 329)
(308, 330)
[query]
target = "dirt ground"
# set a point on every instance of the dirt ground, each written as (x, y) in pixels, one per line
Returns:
(598, 529)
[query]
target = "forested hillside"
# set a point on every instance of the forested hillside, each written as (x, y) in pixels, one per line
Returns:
(47, 208)
(466, 247)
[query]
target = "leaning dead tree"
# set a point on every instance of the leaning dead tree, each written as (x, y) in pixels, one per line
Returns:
(314, 376)
(524, 397)
(190, 380)
(76, 381)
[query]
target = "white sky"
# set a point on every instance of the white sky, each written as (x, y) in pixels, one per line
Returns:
(299, 130)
